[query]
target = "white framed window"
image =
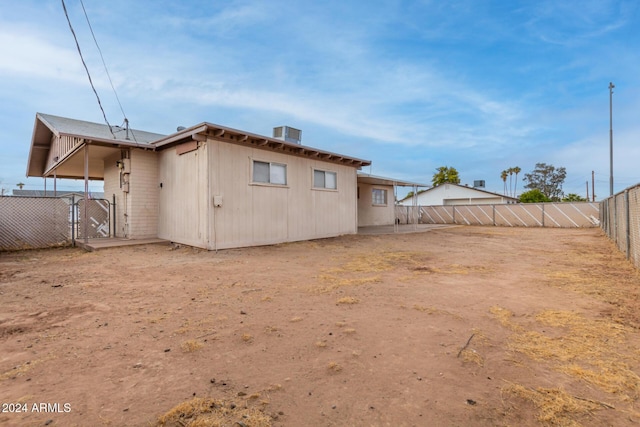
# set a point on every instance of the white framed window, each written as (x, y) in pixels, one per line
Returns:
(269, 173)
(379, 196)
(325, 179)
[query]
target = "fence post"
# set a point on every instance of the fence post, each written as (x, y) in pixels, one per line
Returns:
(627, 220)
(543, 215)
(73, 220)
(615, 219)
(454, 214)
(494, 215)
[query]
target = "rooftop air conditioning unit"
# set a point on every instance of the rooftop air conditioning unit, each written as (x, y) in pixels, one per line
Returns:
(288, 134)
(478, 183)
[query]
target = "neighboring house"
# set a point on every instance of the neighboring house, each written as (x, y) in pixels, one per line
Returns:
(455, 194)
(377, 199)
(207, 186)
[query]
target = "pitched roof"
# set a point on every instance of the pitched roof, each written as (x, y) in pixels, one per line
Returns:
(466, 188)
(96, 131)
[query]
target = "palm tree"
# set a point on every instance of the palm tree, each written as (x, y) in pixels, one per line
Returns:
(445, 174)
(516, 170)
(503, 176)
(510, 172)
(20, 185)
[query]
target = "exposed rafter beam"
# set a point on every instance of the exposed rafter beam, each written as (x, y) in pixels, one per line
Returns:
(199, 137)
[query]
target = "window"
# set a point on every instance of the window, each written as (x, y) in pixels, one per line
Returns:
(270, 173)
(378, 196)
(324, 179)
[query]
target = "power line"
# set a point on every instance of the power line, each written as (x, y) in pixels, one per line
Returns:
(86, 68)
(102, 57)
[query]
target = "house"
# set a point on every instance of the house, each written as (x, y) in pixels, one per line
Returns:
(208, 185)
(377, 199)
(455, 194)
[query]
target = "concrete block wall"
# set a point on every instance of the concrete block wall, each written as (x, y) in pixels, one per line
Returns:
(142, 198)
(111, 188)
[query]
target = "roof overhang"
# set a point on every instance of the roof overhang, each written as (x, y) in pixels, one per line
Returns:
(49, 129)
(206, 131)
(71, 164)
(381, 180)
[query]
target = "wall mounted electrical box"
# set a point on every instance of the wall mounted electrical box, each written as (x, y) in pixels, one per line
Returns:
(126, 165)
(217, 201)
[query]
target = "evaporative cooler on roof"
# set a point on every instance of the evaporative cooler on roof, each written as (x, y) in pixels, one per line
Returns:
(288, 134)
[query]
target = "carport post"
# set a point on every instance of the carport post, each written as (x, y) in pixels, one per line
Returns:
(113, 205)
(73, 220)
(86, 193)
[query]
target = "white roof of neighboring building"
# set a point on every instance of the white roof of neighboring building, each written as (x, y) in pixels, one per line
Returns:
(478, 191)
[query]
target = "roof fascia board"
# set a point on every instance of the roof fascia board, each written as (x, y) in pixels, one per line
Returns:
(177, 137)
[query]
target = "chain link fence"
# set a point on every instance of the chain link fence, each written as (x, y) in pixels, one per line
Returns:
(620, 220)
(560, 215)
(42, 222)
(34, 222)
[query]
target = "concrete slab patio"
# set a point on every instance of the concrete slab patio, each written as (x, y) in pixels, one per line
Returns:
(97, 244)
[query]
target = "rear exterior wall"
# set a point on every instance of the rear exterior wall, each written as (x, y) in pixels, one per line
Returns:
(370, 214)
(250, 213)
(136, 212)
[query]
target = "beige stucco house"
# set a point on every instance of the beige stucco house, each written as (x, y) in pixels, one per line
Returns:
(211, 186)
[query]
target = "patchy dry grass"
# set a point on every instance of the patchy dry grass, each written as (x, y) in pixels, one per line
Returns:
(555, 406)
(348, 300)
(582, 348)
(433, 310)
(334, 367)
(365, 269)
(334, 282)
(191, 345)
(207, 412)
(22, 369)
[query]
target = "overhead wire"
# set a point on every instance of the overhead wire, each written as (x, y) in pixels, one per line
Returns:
(86, 69)
(102, 57)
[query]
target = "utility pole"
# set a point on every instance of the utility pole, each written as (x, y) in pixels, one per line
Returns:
(587, 190)
(611, 86)
(593, 185)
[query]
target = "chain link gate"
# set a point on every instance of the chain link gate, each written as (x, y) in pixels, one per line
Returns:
(98, 219)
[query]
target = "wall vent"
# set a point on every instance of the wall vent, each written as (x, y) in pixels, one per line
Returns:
(478, 183)
(288, 134)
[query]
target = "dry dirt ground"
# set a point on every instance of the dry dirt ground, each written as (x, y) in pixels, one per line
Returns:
(464, 326)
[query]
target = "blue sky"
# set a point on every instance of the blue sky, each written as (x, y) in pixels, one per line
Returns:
(479, 85)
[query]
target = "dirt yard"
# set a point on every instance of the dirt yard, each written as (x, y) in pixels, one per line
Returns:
(463, 326)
